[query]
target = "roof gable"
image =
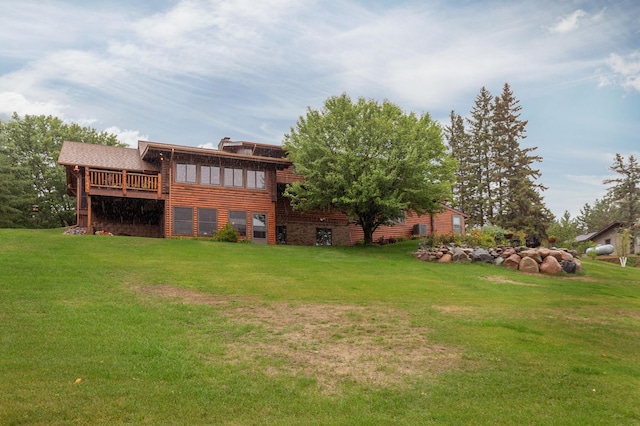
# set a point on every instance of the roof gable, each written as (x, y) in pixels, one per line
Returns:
(103, 156)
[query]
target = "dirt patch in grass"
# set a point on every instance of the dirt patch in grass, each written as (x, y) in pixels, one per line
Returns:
(501, 280)
(332, 344)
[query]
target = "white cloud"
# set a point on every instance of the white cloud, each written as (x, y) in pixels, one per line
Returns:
(11, 102)
(569, 23)
(208, 145)
(128, 137)
(626, 70)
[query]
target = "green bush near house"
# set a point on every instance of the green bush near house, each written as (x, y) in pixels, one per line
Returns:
(227, 234)
(123, 330)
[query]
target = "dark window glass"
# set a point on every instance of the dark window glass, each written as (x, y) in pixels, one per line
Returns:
(207, 222)
(238, 220)
(182, 221)
(323, 236)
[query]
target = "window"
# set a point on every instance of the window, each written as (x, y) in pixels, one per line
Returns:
(182, 221)
(399, 219)
(323, 236)
(238, 221)
(259, 227)
(207, 222)
(233, 177)
(255, 179)
(457, 224)
(281, 234)
(607, 241)
(210, 175)
(186, 173)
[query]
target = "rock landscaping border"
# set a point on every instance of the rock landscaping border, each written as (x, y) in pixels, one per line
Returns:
(532, 260)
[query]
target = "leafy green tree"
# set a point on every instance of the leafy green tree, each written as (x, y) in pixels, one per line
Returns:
(368, 160)
(29, 175)
(16, 196)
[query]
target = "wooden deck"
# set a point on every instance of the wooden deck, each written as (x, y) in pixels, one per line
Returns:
(120, 183)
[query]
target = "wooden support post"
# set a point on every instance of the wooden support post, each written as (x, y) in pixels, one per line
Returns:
(159, 183)
(87, 181)
(89, 224)
(124, 182)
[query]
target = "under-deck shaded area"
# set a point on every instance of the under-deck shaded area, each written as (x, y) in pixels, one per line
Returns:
(128, 216)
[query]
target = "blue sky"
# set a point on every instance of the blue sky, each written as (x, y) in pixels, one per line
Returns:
(192, 72)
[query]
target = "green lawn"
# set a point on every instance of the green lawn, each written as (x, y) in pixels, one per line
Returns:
(115, 330)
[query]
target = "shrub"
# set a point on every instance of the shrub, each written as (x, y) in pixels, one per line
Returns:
(227, 234)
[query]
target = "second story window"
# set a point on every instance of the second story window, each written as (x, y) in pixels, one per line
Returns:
(233, 177)
(210, 175)
(255, 179)
(185, 173)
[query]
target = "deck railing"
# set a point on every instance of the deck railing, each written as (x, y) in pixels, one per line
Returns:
(109, 179)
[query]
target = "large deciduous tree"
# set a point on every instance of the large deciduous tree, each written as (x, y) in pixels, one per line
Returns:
(368, 160)
(29, 175)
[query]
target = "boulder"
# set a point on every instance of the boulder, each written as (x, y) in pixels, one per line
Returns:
(544, 252)
(512, 261)
(528, 264)
(533, 254)
(578, 263)
(550, 265)
(459, 255)
(508, 252)
(557, 254)
(481, 255)
(499, 261)
(566, 256)
(569, 266)
(446, 258)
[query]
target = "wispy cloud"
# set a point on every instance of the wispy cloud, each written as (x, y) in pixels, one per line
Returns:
(568, 23)
(626, 70)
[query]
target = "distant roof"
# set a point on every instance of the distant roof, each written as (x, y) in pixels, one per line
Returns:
(103, 156)
(584, 237)
(592, 235)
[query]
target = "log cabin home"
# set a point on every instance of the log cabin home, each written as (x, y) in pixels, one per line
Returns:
(163, 190)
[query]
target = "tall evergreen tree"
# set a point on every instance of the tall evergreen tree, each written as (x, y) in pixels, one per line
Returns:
(625, 191)
(464, 190)
(597, 216)
(517, 198)
(482, 150)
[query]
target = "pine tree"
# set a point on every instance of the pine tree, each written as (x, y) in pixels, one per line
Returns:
(626, 189)
(517, 200)
(464, 190)
(482, 153)
(625, 192)
(594, 217)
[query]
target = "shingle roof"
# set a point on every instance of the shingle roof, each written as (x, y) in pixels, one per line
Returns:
(103, 156)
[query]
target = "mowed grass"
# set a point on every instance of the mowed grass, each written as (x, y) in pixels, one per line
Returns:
(115, 330)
